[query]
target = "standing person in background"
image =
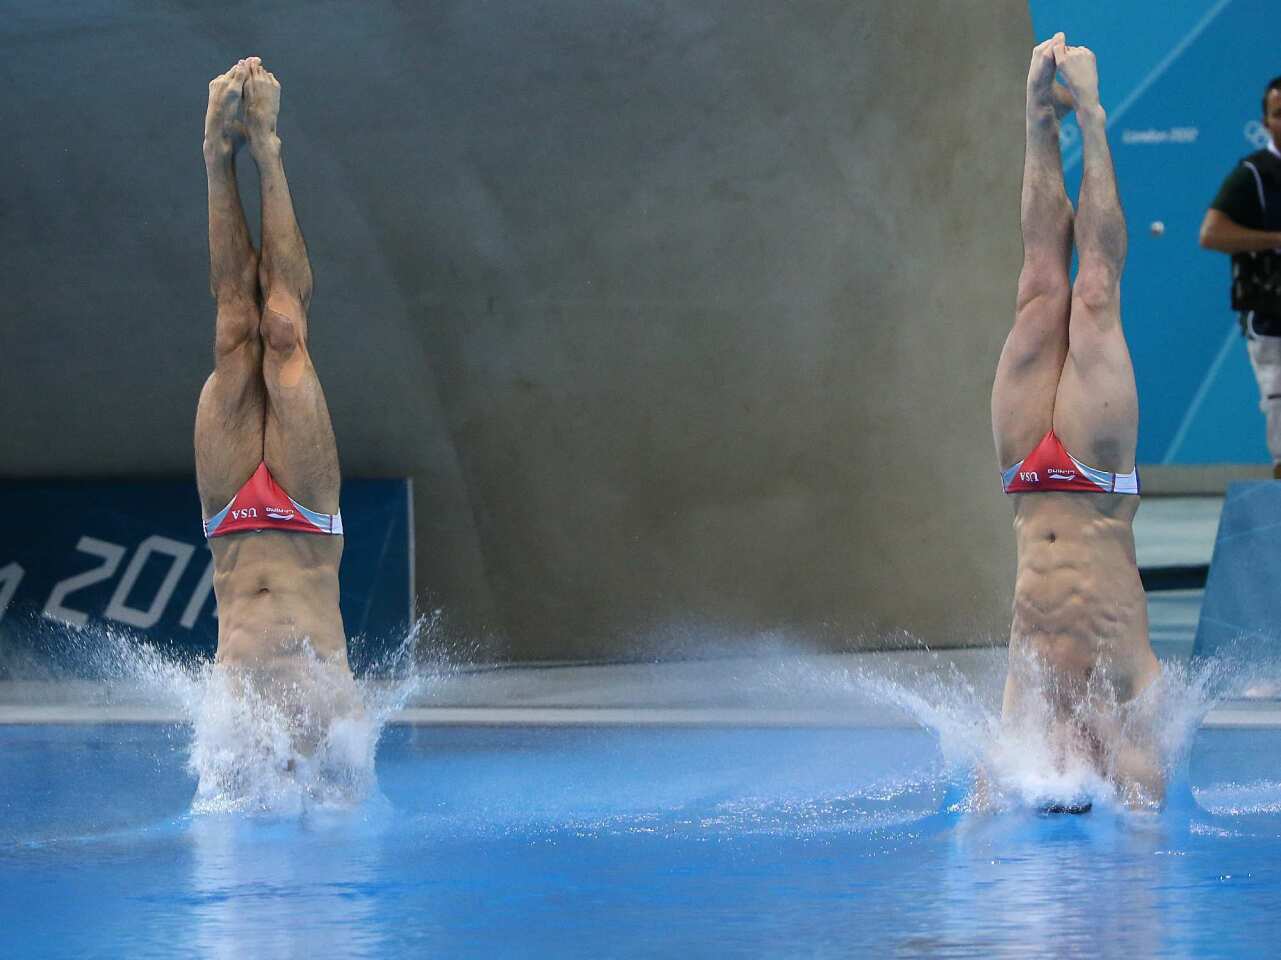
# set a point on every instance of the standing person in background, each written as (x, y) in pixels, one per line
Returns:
(1244, 220)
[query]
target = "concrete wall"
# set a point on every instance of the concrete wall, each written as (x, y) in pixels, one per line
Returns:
(682, 316)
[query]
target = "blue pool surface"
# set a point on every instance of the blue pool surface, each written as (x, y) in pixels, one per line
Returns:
(627, 842)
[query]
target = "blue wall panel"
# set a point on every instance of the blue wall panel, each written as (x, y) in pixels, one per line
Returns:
(132, 555)
(1241, 613)
(1181, 82)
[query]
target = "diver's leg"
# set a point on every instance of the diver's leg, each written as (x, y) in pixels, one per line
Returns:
(1097, 411)
(1096, 416)
(229, 417)
(299, 439)
(1027, 375)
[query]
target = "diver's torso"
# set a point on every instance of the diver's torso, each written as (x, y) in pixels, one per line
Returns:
(1078, 599)
(276, 590)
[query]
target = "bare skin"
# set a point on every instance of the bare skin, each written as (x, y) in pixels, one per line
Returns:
(277, 591)
(1079, 649)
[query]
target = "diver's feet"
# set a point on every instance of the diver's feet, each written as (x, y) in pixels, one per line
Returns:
(262, 106)
(1080, 73)
(1040, 75)
(1063, 102)
(223, 129)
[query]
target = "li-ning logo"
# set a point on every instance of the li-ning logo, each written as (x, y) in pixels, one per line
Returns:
(1029, 476)
(245, 514)
(278, 513)
(1057, 473)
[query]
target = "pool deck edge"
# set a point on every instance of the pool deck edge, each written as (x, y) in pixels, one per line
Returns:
(1235, 714)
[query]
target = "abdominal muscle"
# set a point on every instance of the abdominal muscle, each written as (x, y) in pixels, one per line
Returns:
(1079, 605)
(277, 593)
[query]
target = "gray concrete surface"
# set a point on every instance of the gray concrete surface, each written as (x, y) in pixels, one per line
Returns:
(835, 690)
(779, 684)
(682, 316)
(1176, 531)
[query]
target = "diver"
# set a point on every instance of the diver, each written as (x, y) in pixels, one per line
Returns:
(1080, 660)
(262, 425)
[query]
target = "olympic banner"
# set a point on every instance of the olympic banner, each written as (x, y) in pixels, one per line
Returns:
(1182, 83)
(132, 555)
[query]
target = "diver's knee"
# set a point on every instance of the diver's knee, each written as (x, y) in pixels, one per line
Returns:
(281, 332)
(238, 323)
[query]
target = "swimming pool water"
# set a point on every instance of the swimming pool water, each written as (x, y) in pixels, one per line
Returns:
(626, 842)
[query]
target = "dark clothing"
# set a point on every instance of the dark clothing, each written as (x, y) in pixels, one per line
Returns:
(1254, 324)
(1251, 198)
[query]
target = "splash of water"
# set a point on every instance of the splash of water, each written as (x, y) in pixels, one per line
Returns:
(302, 739)
(290, 740)
(281, 742)
(284, 744)
(998, 764)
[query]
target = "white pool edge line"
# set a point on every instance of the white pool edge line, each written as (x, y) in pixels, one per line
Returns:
(1264, 715)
